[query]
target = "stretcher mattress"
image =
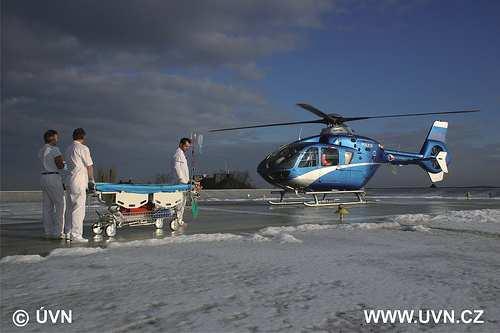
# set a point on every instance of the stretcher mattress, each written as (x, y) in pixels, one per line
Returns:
(141, 188)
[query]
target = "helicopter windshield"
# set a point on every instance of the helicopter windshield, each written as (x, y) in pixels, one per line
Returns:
(286, 157)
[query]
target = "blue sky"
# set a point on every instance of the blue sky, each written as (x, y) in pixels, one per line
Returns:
(437, 56)
(433, 56)
(139, 78)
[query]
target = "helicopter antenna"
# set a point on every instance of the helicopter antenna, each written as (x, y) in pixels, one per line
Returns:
(300, 134)
(334, 119)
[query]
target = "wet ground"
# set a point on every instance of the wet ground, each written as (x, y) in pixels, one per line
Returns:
(21, 228)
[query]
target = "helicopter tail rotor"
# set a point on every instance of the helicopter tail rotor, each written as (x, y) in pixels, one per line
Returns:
(436, 157)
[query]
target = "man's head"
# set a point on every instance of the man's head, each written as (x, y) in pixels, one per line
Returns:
(79, 135)
(185, 144)
(51, 137)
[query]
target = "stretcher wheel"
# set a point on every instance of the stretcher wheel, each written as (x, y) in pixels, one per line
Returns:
(110, 230)
(159, 223)
(174, 225)
(97, 229)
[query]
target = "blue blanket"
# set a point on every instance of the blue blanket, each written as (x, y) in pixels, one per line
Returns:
(141, 188)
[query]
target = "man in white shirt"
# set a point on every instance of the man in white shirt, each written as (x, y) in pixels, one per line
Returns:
(80, 177)
(181, 170)
(52, 187)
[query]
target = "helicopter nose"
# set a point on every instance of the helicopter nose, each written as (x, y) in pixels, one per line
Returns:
(271, 174)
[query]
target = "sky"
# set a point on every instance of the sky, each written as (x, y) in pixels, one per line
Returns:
(139, 75)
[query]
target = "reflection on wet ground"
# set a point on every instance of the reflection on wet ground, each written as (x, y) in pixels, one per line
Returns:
(22, 233)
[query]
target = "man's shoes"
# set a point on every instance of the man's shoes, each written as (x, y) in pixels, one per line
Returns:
(54, 237)
(78, 239)
(67, 236)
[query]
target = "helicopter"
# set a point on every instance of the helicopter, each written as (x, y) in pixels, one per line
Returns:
(338, 161)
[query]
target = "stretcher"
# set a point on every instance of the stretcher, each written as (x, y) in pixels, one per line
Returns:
(131, 205)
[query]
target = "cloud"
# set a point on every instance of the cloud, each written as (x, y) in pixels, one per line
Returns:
(136, 75)
(248, 71)
(158, 33)
(136, 100)
(139, 74)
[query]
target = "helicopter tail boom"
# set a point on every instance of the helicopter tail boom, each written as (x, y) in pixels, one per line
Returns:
(433, 156)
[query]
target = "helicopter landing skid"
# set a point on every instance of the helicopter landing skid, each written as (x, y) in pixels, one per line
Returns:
(324, 201)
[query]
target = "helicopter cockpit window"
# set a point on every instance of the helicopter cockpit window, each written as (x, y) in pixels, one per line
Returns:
(329, 156)
(347, 157)
(310, 158)
(287, 156)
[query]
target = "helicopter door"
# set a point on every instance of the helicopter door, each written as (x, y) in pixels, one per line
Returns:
(329, 157)
(306, 165)
(339, 157)
(345, 158)
(310, 159)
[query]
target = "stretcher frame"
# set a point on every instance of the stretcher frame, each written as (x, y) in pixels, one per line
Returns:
(165, 207)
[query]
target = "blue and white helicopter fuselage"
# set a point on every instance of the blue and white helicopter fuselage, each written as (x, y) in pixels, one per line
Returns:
(338, 159)
(340, 162)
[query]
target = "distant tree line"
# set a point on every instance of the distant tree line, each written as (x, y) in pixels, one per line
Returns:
(227, 180)
(218, 180)
(106, 175)
(163, 178)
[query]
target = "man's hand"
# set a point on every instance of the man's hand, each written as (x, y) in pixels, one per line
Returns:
(91, 186)
(197, 186)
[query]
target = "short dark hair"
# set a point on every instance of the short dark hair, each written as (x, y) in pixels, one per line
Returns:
(79, 134)
(47, 136)
(184, 141)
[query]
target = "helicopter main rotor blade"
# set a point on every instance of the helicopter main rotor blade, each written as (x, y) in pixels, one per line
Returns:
(333, 119)
(320, 121)
(312, 109)
(407, 115)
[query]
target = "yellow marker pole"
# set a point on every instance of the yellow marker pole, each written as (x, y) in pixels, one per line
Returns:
(342, 211)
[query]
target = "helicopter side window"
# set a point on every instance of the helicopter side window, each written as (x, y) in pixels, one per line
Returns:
(310, 158)
(347, 157)
(329, 156)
